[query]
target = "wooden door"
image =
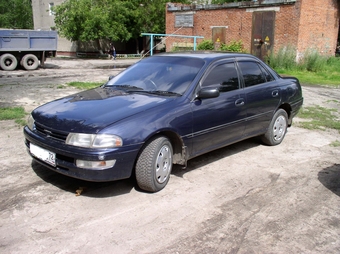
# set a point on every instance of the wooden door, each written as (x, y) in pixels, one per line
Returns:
(263, 33)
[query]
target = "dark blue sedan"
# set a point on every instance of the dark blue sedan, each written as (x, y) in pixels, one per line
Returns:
(163, 110)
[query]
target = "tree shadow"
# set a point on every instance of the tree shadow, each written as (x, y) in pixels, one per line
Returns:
(330, 178)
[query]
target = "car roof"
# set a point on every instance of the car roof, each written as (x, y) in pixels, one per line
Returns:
(208, 55)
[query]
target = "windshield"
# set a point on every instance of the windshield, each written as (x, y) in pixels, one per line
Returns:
(159, 74)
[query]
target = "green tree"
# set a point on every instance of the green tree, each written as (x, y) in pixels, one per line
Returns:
(16, 14)
(115, 20)
(87, 20)
(151, 16)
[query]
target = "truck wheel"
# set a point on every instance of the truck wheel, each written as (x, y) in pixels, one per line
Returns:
(8, 62)
(154, 164)
(30, 62)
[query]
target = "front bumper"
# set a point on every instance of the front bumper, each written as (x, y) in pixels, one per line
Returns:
(66, 157)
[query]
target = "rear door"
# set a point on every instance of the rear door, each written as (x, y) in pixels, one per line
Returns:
(262, 93)
(219, 121)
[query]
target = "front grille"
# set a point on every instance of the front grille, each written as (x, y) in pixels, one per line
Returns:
(48, 132)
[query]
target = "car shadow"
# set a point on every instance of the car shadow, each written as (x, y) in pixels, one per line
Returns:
(81, 187)
(330, 178)
(121, 187)
(216, 155)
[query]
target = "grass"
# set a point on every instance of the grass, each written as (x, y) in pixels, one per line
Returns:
(318, 117)
(15, 113)
(12, 113)
(325, 78)
(311, 69)
(336, 143)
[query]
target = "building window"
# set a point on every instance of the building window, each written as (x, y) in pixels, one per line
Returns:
(184, 20)
(50, 9)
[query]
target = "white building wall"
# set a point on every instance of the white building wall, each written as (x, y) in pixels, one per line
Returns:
(43, 19)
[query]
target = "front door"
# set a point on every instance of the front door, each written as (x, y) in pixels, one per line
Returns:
(263, 33)
(219, 121)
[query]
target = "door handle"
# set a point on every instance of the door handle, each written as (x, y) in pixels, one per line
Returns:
(239, 102)
(275, 93)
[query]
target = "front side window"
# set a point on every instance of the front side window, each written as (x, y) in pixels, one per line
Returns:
(252, 73)
(223, 76)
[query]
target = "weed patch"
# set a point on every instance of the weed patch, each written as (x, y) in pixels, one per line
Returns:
(318, 117)
(12, 113)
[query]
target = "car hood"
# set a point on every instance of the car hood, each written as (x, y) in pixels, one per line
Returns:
(93, 110)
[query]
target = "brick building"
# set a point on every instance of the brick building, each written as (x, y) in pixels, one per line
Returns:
(261, 25)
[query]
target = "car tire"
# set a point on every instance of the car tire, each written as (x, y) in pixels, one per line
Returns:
(277, 128)
(8, 62)
(30, 62)
(154, 164)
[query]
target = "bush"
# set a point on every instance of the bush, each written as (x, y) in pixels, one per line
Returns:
(333, 63)
(233, 46)
(313, 61)
(206, 45)
(284, 59)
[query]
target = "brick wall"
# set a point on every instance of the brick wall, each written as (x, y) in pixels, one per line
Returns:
(319, 25)
(287, 27)
(303, 24)
(237, 23)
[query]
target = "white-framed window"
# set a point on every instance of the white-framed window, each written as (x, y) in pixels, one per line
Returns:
(50, 9)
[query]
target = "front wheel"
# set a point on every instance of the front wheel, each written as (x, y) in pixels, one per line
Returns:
(277, 128)
(154, 164)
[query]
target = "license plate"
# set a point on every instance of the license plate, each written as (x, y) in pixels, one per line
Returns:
(43, 154)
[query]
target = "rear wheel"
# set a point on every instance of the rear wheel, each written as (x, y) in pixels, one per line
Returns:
(154, 164)
(30, 62)
(277, 128)
(8, 62)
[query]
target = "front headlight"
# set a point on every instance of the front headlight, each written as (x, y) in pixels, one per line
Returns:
(30, 123)
(94, 140)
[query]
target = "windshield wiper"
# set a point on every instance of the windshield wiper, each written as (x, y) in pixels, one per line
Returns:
(128, 87)
(160, 92)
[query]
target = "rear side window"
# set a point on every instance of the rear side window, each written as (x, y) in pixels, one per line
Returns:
(267, 74)
(252, 73)
(224, 76)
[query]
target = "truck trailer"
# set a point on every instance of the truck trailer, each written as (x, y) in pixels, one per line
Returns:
(26, 47)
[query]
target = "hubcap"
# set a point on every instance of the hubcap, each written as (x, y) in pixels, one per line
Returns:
(163, 164)
(279, 128)
(8, 62)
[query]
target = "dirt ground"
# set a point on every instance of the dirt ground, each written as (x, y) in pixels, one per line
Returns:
(245, 198)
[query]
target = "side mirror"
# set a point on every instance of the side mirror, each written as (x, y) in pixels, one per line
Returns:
(208, 92)
(111, 77)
